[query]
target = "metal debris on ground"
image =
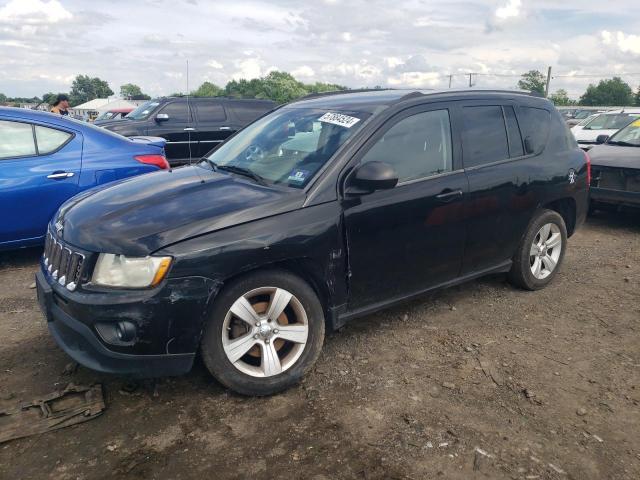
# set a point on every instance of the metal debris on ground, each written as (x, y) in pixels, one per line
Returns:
(73, 405)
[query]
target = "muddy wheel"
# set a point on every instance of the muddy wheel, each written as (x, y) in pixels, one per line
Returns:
(541, 252)
(265, 331)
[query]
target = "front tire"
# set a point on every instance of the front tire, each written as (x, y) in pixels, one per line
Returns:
(541, 252)
(265, 331)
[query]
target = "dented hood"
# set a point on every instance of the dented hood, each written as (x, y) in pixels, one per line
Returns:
(140, 215)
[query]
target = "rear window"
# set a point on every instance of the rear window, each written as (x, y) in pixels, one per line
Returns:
(534, 123)
(210, 111)
(484, 138)
(248, 112)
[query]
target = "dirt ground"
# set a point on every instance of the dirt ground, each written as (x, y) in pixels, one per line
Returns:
(479, 381)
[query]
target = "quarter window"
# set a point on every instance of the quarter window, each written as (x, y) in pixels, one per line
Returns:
(50, 139)
(535, 125)
(16, 140)
(416, 147)
(484, 137)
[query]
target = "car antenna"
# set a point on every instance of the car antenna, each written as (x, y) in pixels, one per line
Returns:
(189, 128)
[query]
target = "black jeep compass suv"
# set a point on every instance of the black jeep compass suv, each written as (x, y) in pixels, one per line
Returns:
(323, 210)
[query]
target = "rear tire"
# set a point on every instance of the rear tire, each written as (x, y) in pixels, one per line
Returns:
(265, 331)
(541, 251)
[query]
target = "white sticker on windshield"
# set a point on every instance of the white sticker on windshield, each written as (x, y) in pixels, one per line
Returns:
(339, 119)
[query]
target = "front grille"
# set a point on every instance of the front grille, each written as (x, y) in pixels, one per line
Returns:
(64, 264)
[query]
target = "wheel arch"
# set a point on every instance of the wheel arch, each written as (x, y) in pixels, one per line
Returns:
(567, 209)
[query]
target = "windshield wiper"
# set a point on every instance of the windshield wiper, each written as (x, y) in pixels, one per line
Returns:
(241, 171)
(624, 144)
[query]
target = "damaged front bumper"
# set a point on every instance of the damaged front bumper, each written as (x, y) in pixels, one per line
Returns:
(143, 333)
(620, 186)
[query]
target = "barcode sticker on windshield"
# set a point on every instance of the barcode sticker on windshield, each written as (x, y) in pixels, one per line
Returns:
(339, 119)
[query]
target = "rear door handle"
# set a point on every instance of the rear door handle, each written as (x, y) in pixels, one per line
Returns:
(60, 175)
(225, 128)
(189, 129)
(448, 195)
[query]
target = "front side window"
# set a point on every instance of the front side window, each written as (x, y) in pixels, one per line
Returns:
(288, 146)
(417, 147)
(50, 139)
(484, 137)
(178, 112)
(16, 140)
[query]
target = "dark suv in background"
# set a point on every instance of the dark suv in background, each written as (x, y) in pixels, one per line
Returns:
(323, 210)
(193, 126)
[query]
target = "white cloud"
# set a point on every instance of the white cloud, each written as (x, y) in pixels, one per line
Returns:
(34, 12)
(415, 79)
(346, 36)
(625, 43)
(303, 71)
(214, 64)
(509, 10)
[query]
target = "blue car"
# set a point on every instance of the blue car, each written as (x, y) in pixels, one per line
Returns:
(46, 159)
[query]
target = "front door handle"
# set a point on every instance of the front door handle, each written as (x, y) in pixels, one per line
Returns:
(225, 128)
(189, 129)
(60, 175)
(448, 195)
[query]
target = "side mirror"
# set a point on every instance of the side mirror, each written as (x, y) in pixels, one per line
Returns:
(372, 176)
(602, 139)
(162, 117)
(528, 146)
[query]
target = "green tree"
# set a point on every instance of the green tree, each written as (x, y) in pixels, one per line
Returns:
(49, 97)
(3, 98)
(533, 81)
(638, 98)
(561, 98)
(208, 89)
(132, 91)
(85, 88)
(610, 92)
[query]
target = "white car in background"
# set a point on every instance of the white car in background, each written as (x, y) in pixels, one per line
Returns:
(608, 123)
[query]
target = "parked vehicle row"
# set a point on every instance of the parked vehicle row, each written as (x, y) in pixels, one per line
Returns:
(321, 211)
(45, 159)
(191, 126)
(603, 124)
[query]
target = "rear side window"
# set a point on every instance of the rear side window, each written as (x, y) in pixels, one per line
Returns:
(416, 147)
(50, 139)
(513, 132)
(484, 138)
(177, 111)
(16, 140)
(210, 111)
(535, 126)
(248, 112)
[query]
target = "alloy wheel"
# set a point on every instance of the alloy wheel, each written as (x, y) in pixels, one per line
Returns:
(545, 251)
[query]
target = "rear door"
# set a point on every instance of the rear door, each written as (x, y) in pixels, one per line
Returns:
(500, 200)
(39, 170)
(179, 130)
(213, 124)
(411, 237)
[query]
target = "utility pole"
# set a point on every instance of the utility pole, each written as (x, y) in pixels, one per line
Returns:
(470, 84)
(546, 90)
(450, 78)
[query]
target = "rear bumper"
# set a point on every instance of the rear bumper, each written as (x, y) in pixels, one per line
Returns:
(607, 195)
(73, 325)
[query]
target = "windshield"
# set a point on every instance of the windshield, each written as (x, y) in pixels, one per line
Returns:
(610, 121)
(582, 114)
(143, 111)
(629, 134)
(290, 145)
(586, 120)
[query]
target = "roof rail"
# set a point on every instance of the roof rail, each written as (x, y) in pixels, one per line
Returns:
(341, 92)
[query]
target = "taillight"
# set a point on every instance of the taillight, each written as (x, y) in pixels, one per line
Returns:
(157, 160)
(588, 159)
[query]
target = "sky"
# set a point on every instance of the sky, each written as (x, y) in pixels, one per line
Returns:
(44, 44)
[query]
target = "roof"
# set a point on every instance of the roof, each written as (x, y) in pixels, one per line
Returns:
(34, 115)
(94, 104)
(372, 100)
(114, 105)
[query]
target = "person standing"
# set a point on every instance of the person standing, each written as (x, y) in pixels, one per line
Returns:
(61, 105)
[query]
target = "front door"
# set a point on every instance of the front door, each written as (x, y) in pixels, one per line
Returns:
(409, 238)
(179, 129)
(39, 170)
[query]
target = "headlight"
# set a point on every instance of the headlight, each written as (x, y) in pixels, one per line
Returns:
(132, 272)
